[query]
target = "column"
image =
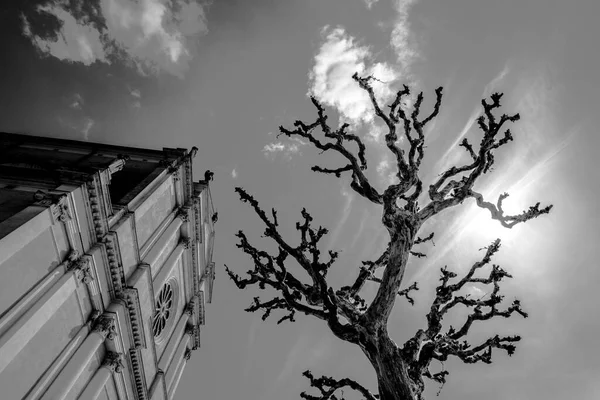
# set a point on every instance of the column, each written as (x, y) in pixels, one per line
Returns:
(112, 363)
(103, 328)
(46, 379)
(177, 362)
(159, 246)
(22, 331)
(179, 372)
(169, 352)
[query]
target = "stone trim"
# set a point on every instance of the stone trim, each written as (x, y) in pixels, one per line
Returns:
(201, 308)
(139, 377)
(117, 274)
(131, 297)
(98, 207)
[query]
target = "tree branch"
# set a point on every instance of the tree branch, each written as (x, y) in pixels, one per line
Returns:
(431, 344)
(449, 190)
(357, 164)
(316, 298)
(328, 386)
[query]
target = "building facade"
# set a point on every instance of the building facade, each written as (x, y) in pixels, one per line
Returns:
(105, 268)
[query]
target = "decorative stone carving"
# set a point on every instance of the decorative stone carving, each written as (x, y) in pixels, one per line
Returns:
(82, 270)
(183, 213)
(188, 354)
(113, 361)
(191, 330)
(186, 242)
(105, 326)
(189, 309)
(59, 205)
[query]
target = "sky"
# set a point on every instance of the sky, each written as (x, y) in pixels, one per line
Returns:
(224, 75)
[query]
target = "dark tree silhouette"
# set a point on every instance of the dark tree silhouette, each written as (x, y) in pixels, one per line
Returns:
(400, 369)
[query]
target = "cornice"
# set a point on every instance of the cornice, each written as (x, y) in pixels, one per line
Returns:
(137, 367)
(98, 207)
(116, 272)
(132, 301)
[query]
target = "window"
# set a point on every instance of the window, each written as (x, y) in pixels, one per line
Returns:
(164, 308)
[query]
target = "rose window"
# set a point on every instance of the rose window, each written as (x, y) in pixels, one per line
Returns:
(164, 304)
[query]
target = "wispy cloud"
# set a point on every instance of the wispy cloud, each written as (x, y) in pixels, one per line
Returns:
(302, 355)
(402, 40)
(234, 173)
(149, 34)
(349, 198)
(88, 124)
(135, 93)
(370, 3)
(538, 143)
(76, 101)
(288, 149)
(452, 155)
(339, 57)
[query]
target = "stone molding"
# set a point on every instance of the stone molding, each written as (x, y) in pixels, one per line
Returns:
(137, 366)
(117, 274)
(98, 207)
(201, 310)
(132, 301)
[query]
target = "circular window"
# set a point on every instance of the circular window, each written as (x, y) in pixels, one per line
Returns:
(163, 308)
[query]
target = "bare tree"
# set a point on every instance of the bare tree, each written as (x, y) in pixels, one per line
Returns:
(400, 369)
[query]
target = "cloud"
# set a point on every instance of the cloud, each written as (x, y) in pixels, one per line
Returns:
(234, 173)
(402, 40)
(152, 35)
(349, 198)
(76, 42)
(370, 3)
(339, 57)
(287, 149)
(76, 101)
(88, 123)
(135, 93)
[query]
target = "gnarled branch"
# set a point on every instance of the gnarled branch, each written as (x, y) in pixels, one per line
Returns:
(315, 298)
(431, 344)
(328, 386)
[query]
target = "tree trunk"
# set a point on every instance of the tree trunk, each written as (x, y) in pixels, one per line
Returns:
(392, 374)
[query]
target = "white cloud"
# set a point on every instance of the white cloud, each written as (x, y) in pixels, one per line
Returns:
(349, 198)
(88, 123)
(370, 3)
(234, 173)
(76, 42)
(402, 40)
(76, 101)
(135, 93)
(339, 57)
(287, 149)
(150, 34)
